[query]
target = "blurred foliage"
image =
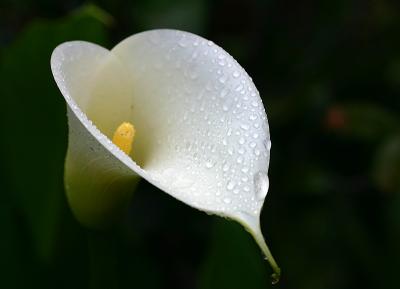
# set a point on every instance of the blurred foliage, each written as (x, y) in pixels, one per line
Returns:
(231, 249)
(329, 75)
(33, 147)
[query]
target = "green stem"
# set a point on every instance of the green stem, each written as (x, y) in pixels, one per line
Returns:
(103, 260)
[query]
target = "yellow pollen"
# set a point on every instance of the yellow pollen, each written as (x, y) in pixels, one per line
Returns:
(123, 137)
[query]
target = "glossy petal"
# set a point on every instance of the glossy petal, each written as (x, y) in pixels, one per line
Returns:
(201, 130)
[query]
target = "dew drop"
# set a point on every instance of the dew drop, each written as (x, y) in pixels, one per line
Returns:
(254, 103)
(193, 75)
(253, 117)
(244, 126)
(269, 145)
(261, 183)
(223, 79)
(209, 164)
(224, 92)
(227, 200)
(225, 168)
(236, 74)
(230, 185)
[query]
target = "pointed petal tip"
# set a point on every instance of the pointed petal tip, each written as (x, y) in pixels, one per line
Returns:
(275, 277)
(252, 225)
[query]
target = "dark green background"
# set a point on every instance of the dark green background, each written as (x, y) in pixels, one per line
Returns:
(329, 76)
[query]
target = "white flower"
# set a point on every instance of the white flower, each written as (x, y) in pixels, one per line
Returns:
(202, 134)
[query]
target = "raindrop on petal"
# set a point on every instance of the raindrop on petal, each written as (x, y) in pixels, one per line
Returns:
(261, 183)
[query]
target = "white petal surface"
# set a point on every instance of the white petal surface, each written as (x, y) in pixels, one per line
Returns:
(98, 183)
(206, 122)
(202, 132)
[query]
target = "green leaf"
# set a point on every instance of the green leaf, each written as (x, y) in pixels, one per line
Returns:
(387, 165)
(182, 14)
(234, 260)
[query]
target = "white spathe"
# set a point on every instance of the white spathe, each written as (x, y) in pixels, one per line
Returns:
(202, 134)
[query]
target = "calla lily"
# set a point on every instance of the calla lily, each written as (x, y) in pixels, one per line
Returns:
(201, 136)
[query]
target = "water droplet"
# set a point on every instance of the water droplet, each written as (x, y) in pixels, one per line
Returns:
(245, 169)
(254, 103)
(244, 126)
(269, 145)
(236, 74)
(209, 164)
(257, 152)
(224, 92)
(230, 185)
(227, 200)
(261, 183)
(223, 79)
(225, 168)
(241, 140)
(239, 160)
(239, 87)
(193, 75)
(253, 144)
(225, 107)
(253, 117)
(182, 43)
